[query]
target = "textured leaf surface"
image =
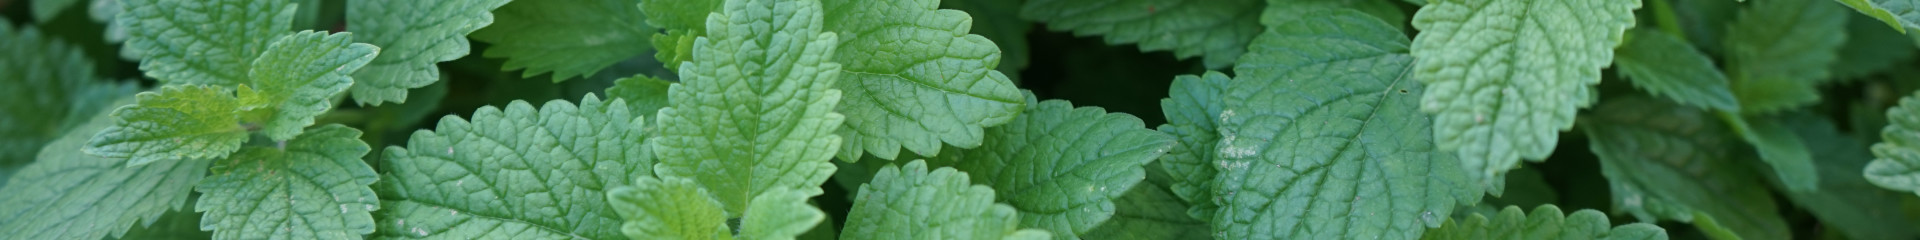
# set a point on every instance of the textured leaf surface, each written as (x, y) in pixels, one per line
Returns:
(1193, 110)
(50, 89)
(1322, 137)
(1667, 161)
(314, 188)
(677, 208)
(178, 122)
(173, 225)
(567, 37)
(1546, 222)
(1217, 29)
(1846, 201)
(1062, 167)
(203, 41)
(70, 195)
(1506, 76)
(298, 76)
(1667, 66)
(673, 208)
(1899, 14)
(910, 203)
(1896, 163)
(517, 173)
(1150, 212)
(645, 95)
(754, 109)
(1777, 50)
(915, 77)
(414, 35)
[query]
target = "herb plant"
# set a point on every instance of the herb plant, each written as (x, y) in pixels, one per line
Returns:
(959, 119)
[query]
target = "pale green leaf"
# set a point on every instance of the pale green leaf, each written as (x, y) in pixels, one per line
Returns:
(644, 94)
(1322, 136)
(1779, 148)
(567, 37)
(1667, 66)
(1899, 14)
(517, 173)
(1665, 161)
(669, 209)
(178, 122)
(1777, 50)
(1896, 163)
(313, 187)
(1218, 29)
(414, 36)
(70, 195)
(1193, 111)
(1506, 76)
(1062, 167)
(754, 109)
(1546, 222)
(1150, 212)
(203, 41)
(297, 78)
(910, 203)
(1846, 202)
(50, 88)
(685, 15)
(780, 213)
(916, 78)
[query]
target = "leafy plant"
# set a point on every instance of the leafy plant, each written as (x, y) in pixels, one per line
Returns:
(959, 119)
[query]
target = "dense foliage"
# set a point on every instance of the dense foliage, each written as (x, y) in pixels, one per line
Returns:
(959, 119)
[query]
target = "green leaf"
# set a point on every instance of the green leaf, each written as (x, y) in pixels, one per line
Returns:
(1150, 212)
(1000, 22)
(1664, 65)
(566, 37)
(1871, 48)
(1218, 29)
(70, 195)
(1192, 108)
(298, 76)
(917, 78)
(1777, 50)
(1779, 148)
(780, 213)
(50, 89)
(517, 173)
(1899, 14)
(315, 187)
(1062, 167)
(172, 225)
(1896, 163)
(680, 15)
(1847, 202)
(203, 41)
(911, 203)
(415, 35)
(754, 109)
(1667, 161)
(644, 94)
(1508, 75)
(178, 122)
(673, 208)
(1546, 222)
(1322, 137)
